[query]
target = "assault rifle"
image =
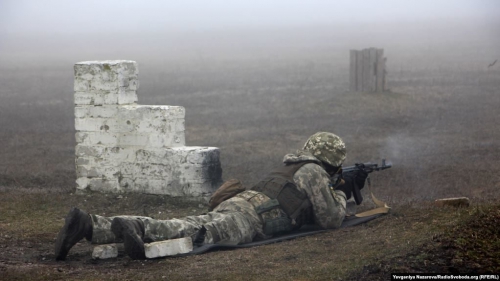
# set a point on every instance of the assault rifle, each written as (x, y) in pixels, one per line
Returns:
(367, 168)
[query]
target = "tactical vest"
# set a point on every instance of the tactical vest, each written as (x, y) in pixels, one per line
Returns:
(280, 187)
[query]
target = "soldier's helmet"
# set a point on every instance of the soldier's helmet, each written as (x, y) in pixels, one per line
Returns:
(327, 147)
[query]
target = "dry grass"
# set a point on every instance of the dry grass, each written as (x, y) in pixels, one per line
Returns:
(438, 125)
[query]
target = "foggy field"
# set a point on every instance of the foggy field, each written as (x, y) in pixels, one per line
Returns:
(438, 123)
(258, 96)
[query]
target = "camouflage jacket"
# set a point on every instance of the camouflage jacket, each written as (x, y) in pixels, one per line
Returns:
(328, 206)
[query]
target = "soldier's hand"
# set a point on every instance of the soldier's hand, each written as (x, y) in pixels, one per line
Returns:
(360, 178)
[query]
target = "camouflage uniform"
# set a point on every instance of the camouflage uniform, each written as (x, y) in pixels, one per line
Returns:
(235, 220)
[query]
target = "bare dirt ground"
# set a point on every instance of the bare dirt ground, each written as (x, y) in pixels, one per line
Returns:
(438, 125)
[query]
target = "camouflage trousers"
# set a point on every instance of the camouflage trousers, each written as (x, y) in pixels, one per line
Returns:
(234, 221)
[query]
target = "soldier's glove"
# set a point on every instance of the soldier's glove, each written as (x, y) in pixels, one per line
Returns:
(354, 182)
(346, 188)
(360, 177)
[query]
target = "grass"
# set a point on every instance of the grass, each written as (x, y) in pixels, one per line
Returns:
(334, 255)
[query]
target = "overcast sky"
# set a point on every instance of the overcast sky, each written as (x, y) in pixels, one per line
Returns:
(71, 16)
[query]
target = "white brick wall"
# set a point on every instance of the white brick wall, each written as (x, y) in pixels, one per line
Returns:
(125, 147)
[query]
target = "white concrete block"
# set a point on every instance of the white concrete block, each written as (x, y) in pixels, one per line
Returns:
(105, 111)
(168, 247)
(106, 251)
(104, 185)
(81, 111)
(125, 147)
(96, 124)
(132, 139)
(133, 84)
(81, 85)
(104, 85)
(127, 97)
(82, 183)
(84, 98)
(202, 155)
(83, 161)
(96, 138)
(105, 98)
(84, 171)
(89, 150)
(166, 140)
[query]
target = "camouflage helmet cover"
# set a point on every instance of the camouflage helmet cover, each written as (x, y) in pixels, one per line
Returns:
(327, 147)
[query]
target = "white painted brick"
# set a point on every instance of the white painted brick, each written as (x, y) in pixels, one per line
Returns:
(105, 111)
(125, 139)
(84, 98)
(179, 125)
(166, 140)
(103, 98)
(119, 154)
(127, 184)
(81, 111)
(127, 97)
(200, 188)
(201, 155)
(97, 138)
(84, 171)
(83, 161)
(133, 84)
(159, 156)
(87, 150)
(109, 172)
(82, 183)
(168, 247)
(82, 71)
(156, 186)
(106, 251)
(101, 85)
(104, 185)
(81, 85)
(96, 124)
(153, 170)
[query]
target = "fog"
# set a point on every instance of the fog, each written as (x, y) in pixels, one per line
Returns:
(59, 16)
(111, 29)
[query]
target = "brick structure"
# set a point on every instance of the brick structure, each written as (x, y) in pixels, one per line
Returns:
(126, 147)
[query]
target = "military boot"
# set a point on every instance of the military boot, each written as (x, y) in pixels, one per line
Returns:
(199, 237)
(132, 233)
(77, 225)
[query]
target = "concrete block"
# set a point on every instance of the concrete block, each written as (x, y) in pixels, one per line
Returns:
(166, 140)
(104, 185)
(125, 147)
(81, 111)
(105, 111)
(168, 247)
(97, 124)
(97, 138)
(131, 139)
(127, 97)
(104, 85)
(84, 171)
(81, 85)
(84, 98)
(106, 251)
(109, 67)
(89, 150)
(82, 183)
(133, 84)
(105, 98)
(202, 155)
